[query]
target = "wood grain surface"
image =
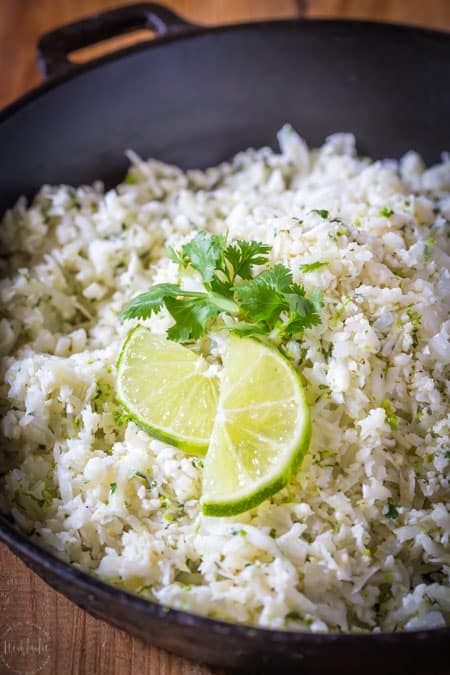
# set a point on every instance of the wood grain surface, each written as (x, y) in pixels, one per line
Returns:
(40, 630)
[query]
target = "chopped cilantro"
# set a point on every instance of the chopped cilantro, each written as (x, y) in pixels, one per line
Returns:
(416, 321)
(119, 417)
(392, 509)
(390, 416)
(241, 533)
(294, 616)
(112, 488)
(273, 533)
(310, 267)
(387, 213)
(323, 213)
(428, 248)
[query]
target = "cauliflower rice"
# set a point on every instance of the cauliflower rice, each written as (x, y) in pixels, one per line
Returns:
(360, 539)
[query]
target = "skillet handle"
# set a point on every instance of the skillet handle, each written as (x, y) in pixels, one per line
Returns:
(54, 47)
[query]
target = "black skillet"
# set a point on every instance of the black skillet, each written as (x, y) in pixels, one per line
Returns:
(194, 96)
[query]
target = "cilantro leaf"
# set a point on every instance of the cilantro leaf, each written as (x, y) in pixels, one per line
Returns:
(222, 286)
(298, 323)
(311, 267)
(248, 329)
(299, 305)
(272, 293)
(205, 254)
(262, 298)
(278, 277)
(297, 289)
(145, 304)
(175, 256)
(303, 313)
(260, 304)
(243, 255)
(260, 301)
(191, 317)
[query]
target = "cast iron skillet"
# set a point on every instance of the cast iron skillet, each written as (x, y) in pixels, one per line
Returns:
(193, 97)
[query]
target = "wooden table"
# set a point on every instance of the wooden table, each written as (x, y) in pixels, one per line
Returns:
(66, 639)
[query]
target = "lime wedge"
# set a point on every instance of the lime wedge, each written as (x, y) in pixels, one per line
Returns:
(166, 390)
(261, 431)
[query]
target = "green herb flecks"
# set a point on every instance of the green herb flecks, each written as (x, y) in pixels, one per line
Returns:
(294, 616)
(387, 213)
(428, 247)
(119, 417)
(49, 490)
(416, 321)
(392, 509)
(390, 415)
(311, 267)
(239, 532)
(323, 213)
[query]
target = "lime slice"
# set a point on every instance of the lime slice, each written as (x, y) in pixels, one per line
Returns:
(166, 390)
(261, 432)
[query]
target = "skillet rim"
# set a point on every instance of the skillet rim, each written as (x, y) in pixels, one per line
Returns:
(29, 552)
(193, 31)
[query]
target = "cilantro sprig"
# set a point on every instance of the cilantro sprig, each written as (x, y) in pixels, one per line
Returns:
(267, 302)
